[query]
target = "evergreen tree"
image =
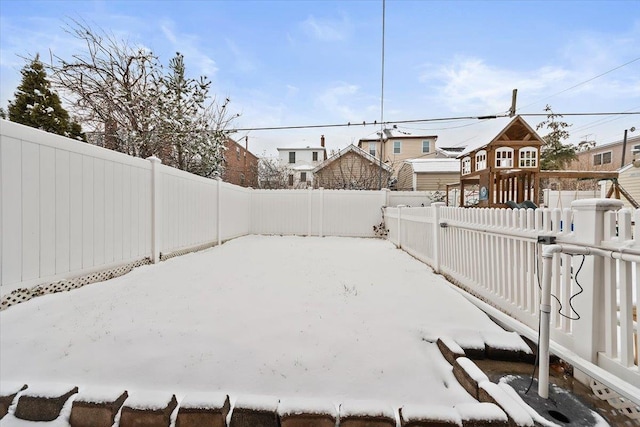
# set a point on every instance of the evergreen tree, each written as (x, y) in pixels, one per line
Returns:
(36, 105)
(189, 135)
(555, 154)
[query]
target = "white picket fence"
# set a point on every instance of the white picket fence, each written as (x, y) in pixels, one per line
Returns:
(495, 255)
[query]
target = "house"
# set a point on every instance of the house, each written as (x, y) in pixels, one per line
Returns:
(606, 157)
(504, 169)
(629, 179)
(431, 174)
(398, 146)
(300, 162)
(240, 165)
(352, 169)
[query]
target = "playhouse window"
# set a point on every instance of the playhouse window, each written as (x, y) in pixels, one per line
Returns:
(528, 157)
(481, 160)
(504, 157)
(466, 165)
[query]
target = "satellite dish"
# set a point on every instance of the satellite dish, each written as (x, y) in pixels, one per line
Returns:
(636, 163)
(632, 129)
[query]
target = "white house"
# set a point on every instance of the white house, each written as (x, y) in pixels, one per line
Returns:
(300, 162)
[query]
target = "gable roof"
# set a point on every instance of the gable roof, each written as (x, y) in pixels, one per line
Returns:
(517, 130)
(434, 165)
(351, 148)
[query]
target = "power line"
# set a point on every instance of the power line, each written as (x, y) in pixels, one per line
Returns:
(427, 120)
(582, 83)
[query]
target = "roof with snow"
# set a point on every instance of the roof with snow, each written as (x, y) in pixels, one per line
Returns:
(301, 148)
(394, 134)
(351, 148)
(517, 130)
(434, 165)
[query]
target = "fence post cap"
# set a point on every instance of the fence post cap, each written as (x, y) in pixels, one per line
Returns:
(154, 159)
(596, 204)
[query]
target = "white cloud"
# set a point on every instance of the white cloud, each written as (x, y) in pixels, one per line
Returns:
(336, 99)
(326, 30)
(471, 85)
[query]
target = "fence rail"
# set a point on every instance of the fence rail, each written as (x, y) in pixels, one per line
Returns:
(495, 255)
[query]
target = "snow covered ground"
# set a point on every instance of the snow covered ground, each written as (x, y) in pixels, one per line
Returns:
(334, 318)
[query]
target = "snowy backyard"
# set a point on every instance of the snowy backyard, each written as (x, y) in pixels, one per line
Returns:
(335, 318)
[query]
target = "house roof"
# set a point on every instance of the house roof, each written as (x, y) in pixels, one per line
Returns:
(434, 165)
(516, 130)
(301, 148)
(355, 150)
(396, 134)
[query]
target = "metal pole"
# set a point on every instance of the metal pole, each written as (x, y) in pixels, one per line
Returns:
(624, 147)
(381, 102)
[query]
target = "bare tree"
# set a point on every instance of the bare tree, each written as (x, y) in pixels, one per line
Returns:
(120, 91)
(111, 88)
(272, 175)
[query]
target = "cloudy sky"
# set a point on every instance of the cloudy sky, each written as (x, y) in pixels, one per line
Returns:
(298, 63)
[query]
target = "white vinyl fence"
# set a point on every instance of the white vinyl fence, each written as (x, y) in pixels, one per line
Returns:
(495, 255)
(69, 209)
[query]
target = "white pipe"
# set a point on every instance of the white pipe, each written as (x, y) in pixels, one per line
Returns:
(545, 320)
(545, 304)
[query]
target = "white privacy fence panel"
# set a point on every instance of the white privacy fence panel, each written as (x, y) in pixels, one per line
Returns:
(67, 207)
(351, 212)
(409, 198)
(188, 210)
(235, 211)
(316, 212)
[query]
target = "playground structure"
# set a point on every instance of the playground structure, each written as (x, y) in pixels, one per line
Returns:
(506, 171)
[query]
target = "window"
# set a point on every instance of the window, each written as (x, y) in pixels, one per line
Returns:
(528, 157)
(303, 177)
(425, 145)
(602, 158)
(238, 153)
(290, 180)
(504, 157)
(481, 160)
(292, 156)
(242, 179)
(372, 148)
(397, 146)
(466, 165)
(315, 156)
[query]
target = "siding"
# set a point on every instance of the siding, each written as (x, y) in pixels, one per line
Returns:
(629, 179)
(405, 178)
(436, 182)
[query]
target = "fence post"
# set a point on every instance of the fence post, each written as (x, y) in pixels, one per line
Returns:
(218, 208)
(436, 235)
(588, 221)
(155, 208)
(309, 210)
(321, 213)
(400, 225)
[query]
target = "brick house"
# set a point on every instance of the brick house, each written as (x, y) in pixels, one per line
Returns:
(240, 165)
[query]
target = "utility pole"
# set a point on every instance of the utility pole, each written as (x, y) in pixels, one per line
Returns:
(514, 96)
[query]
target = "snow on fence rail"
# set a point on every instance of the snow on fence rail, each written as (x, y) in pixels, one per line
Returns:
(495, 255)
(69, 209)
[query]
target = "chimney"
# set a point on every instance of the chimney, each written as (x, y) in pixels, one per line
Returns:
(321, 140)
